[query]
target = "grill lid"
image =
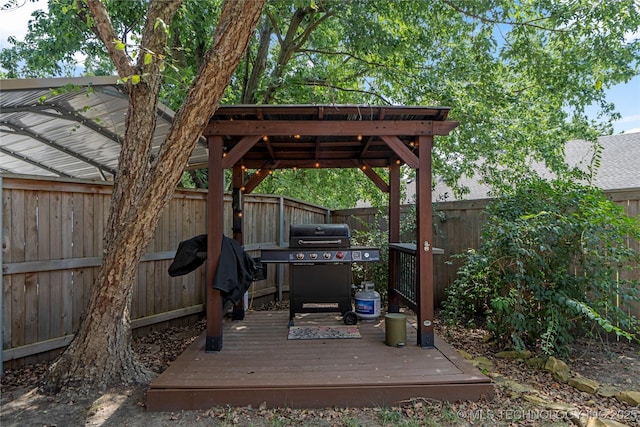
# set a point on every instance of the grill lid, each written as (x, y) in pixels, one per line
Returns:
(319, 235)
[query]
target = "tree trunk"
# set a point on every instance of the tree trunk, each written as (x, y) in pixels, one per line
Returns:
(101, 356)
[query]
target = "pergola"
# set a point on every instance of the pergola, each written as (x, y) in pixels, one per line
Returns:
(262, 138)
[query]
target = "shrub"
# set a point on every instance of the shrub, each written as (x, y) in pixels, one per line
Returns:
(551, 265)
(376, 272)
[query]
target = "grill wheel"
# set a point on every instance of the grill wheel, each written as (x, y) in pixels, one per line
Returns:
(350, 318)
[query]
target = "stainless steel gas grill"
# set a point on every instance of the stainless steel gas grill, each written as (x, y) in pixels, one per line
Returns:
(320, 256)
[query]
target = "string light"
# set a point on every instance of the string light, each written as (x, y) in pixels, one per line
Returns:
(359, 137)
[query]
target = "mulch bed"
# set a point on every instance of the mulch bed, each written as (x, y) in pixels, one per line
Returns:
(614, 363)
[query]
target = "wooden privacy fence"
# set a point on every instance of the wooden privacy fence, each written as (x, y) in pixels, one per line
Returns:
(52, 234)
(52, 242)
(457, 227)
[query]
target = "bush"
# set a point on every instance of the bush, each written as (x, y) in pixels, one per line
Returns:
(376, 272)
(551, 265)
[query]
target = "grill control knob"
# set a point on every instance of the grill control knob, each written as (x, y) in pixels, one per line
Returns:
(339, 254)
(366, 254)
(299, 255)
(313, 256)
(326, 255)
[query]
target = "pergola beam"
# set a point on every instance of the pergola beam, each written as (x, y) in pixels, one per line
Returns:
(239, 150)
(328, 127)
(401, 150)
(374, 177)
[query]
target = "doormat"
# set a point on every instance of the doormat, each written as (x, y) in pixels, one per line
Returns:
(323, 332)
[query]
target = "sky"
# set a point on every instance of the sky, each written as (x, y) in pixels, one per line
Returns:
(625, 96)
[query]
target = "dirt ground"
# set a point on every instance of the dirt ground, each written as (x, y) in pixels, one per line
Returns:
(616, 364)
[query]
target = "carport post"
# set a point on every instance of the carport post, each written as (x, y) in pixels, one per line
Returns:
(1, 287)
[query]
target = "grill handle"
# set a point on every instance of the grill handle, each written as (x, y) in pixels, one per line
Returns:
(319, 242)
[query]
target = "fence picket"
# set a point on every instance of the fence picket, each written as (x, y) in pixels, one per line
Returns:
(50, 227)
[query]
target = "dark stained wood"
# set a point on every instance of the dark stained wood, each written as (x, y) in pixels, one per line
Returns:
(374, 177)
(329, 127)
(260, 365)
(324, 136)
(239, 150)
(425, 245)
(394, 202)
(257, 177)
(215, 204)
(401, 150)
(394, 230)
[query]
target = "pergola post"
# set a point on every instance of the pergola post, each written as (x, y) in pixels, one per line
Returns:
(394, 227)
(424, 249)
(237, 183)
(215, 209)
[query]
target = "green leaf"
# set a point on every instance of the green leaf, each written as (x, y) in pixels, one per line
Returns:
(135, 79)
(598, 84)
(160, 23)
(148, 58)
(119, 45)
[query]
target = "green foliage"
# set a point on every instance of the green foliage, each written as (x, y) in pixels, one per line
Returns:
(552, 263)
(519, 76)
(324, 187)
(376, 272)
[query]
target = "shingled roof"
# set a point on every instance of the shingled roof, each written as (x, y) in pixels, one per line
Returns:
(618, 166)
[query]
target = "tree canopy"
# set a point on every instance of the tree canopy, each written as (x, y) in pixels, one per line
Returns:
(520, 76)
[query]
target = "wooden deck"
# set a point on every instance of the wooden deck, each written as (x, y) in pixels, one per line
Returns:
(258, 364)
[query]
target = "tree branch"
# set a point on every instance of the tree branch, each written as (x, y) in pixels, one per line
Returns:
(330, 86)
(154, 39)
(260, 63)
(230, 39)
(454, 6)
(103, 28)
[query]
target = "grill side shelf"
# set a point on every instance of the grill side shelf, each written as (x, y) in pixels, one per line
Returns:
(280, 255)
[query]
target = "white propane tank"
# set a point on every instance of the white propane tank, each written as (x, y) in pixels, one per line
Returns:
(367, 302)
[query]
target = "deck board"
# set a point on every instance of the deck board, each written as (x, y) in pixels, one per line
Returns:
(259, 365)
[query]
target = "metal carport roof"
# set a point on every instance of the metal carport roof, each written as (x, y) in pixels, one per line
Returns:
(70, 127)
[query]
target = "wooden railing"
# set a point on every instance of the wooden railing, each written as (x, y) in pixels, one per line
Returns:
(403, 273)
